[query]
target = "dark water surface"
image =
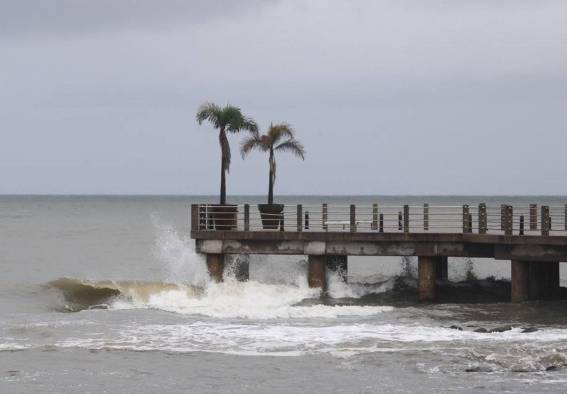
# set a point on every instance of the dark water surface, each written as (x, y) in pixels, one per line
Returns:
(106, 294)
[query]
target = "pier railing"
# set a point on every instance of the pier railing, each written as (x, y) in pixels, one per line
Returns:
(503, 219)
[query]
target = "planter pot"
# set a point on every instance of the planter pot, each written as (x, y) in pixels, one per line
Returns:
(272, 216)
(223, 217)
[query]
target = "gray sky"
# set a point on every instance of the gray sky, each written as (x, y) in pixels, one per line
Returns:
(389, 97)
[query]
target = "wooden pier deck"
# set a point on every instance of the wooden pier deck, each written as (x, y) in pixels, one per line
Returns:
(533, 238)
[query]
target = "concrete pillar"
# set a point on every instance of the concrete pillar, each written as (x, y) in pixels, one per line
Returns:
(543, 280)
(520, 278)
(426, 276)
(316, 272)
(215, 265)
(536, 283)
(534, 280)
(555, 278)
(442, 268)
(338, 264)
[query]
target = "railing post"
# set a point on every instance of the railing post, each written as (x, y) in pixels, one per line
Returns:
(324, 216)
(509, 225)
(306, 220)
(482, 218)
(426, 217)
(299, 218)
(400, 221)
(381, 225)
(406, 218)
(352, 218)
(545, 227)
(521, 224)
(375, 217)
(195, 222)
(565, 217)
(466, 213)
(246, 217)
(533, 217)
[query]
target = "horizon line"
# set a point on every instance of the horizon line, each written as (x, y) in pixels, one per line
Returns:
(262, 195)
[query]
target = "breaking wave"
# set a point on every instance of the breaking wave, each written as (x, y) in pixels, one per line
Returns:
(230, 299)
(280, 291)
(187, 289)
(84, 294)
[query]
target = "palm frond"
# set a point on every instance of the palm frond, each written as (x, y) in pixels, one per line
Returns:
(231, 116)
(255, 141)
(211, 112)
(279, 131)
(250, 125)
(235, 121)
(292, 146)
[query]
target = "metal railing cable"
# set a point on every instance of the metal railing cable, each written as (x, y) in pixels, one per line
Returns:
(467, 218)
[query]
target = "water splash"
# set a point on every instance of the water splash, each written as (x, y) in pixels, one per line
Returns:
(338, 288)
(409, 267)
(179, 261)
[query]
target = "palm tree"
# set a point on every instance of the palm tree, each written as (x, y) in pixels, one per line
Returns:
(279, 138)
(226, 119)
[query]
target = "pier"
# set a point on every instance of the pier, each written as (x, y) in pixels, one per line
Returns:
(533, 238)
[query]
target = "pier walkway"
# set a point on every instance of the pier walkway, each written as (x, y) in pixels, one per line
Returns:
(533, 238)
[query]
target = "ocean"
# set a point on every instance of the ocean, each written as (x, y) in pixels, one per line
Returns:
(105, 294)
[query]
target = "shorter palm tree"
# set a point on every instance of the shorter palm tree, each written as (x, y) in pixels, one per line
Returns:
(279, 138)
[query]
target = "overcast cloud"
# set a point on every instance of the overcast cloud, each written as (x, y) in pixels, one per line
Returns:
(389, 97)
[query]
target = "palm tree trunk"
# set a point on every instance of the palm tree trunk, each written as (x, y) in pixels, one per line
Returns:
(271, 180)
(223, 184)
(222, 137)
(270, 189)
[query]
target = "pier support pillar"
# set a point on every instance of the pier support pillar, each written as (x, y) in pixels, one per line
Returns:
(442, 268)
(520, 278)
(534, 280)
(317, 272)
(338, 264)
(215, 265)
(426, 276)
(544, 280)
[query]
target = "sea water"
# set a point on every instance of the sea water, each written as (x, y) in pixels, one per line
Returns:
(107, 294)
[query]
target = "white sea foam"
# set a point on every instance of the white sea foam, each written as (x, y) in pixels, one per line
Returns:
(249, 300)
(10, 347)
(291, 340)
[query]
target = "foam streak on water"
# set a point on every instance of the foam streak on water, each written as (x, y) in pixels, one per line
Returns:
(282, 337)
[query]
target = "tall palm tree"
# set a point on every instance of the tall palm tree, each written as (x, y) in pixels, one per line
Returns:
(225, 119)
(279, 138)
